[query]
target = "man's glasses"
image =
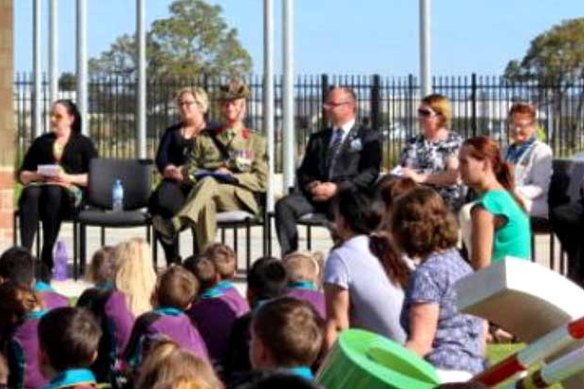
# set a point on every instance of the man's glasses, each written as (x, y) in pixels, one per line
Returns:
(426, 113)
(334, 105)
(519, 125)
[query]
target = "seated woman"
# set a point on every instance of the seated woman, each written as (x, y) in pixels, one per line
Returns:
(173, 153)
(499, 225)
(451, 341)
(430, 158)
(358, 293)
(53, 195)
(532, 159)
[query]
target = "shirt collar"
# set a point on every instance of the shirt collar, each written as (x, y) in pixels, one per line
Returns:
(357, 241)
(72, 377)
(36, 314)
(302, 285)
(170, 311)
(347, 127)
(302, 371)
(41, 286)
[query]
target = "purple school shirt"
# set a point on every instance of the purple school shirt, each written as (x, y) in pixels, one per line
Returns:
(23, 352)
(166, 323)
(214, 314)
(121, 320)
(314, 297)
(50, 298)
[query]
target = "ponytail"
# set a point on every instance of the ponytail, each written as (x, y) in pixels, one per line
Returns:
(505, 176)
(384, 248)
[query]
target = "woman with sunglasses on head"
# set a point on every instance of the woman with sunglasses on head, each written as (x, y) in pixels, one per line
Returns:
(52, 193)
(531, 158)
(430, 158)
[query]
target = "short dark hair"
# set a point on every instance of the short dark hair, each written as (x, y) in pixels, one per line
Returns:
(16, 265)
(177, 288)
(224, 259)
(422, 223)
(291, 329)
(69, 337)
(357, 210)
(267, 278)
(203, 269)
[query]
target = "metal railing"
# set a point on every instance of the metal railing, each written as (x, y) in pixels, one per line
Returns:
(388, 104)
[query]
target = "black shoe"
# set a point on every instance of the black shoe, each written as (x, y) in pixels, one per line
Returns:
(164, 228)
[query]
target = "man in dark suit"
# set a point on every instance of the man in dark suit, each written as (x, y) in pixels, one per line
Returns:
(344, 154)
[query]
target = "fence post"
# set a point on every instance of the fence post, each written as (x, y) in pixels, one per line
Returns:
(324, 82)
(375, 102)
(410, 101)
(473, 94)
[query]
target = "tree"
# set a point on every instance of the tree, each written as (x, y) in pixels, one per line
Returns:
(193, 40)
(554, 57)
(555, 60)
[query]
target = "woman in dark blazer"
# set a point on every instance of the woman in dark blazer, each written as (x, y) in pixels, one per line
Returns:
(50, 195)
(173, 153)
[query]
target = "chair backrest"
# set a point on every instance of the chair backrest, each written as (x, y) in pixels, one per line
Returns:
(566, 181)
(136, 177)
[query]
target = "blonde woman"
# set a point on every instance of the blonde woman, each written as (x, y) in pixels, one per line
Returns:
(176, 145)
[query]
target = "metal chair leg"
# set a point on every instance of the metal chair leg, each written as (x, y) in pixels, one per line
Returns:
(102, 236)
(235, 242)
(309, 237)
(247, 244)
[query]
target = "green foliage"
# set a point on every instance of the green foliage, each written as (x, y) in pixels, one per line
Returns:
(554, 57)
(193, 40)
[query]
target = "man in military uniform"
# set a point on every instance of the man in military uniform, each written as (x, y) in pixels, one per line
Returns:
(228, 166)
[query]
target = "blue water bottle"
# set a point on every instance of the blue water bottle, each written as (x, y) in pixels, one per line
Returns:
(117, 196)
(61, 258)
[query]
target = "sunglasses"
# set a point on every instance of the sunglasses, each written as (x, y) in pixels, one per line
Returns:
(422, 112)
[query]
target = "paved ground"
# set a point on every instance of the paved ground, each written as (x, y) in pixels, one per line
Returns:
(320, 241)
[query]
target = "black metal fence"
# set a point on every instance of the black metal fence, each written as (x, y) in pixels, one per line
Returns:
(388, 104)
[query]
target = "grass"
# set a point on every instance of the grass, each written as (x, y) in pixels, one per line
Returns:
(498, 352)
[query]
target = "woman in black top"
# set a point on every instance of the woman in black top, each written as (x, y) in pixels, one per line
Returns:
(173, 153)
(53, 196)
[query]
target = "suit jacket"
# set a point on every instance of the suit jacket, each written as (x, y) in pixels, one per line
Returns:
(356, 163)
(247, 160)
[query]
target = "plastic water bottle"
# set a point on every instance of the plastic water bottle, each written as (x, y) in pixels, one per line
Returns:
(117, 196)
(61, 258)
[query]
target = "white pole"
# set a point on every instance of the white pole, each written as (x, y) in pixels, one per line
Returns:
(288, 128)
(37, 72)
(82, 63)
(53, 51)
(425, 48)
(269, 98)
(141, 61)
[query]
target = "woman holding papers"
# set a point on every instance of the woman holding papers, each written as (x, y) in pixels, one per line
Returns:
(53, 173)
(173, 153)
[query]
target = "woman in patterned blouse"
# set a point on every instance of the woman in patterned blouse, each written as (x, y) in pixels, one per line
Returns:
(430, 157)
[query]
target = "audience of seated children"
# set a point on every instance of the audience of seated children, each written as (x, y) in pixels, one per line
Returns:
(17, 265)
(167, 365)
(266, 280)
(303, 279)
(117, 307)
(217, 307)
(175, 292)
(286, 333)
(20, 312)
(68, 340)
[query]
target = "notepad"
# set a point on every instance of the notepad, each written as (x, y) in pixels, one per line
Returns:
(48, 170)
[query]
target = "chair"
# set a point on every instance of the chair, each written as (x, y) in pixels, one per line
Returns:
(240, 219)
(312, 220)
(136, 177)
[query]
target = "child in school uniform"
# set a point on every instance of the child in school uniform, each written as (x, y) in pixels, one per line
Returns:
(286, 334)
(68, 340)
(175, 292)
(100, 273)
(20, 312)
(303, 279)
(17, 265)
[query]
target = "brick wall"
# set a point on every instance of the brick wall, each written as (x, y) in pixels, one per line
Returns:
(7, 129)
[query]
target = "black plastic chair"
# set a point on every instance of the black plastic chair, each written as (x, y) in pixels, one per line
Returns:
(236, 220)
(312, 220)
(136, 177)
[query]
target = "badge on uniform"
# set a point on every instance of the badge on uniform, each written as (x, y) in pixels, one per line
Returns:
(243, 159)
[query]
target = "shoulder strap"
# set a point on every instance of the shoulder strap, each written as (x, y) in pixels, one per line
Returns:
(220, 146)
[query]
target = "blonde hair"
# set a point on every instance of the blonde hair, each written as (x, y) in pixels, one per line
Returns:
(169, 366)
(198, 94)
(303, 266)
(134, 274)
(441, 105)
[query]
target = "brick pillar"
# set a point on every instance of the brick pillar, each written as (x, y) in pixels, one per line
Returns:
(7, 128)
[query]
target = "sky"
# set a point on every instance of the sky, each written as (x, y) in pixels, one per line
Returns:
(333, 36)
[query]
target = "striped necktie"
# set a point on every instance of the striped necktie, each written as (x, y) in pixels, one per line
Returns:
(334, 148)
